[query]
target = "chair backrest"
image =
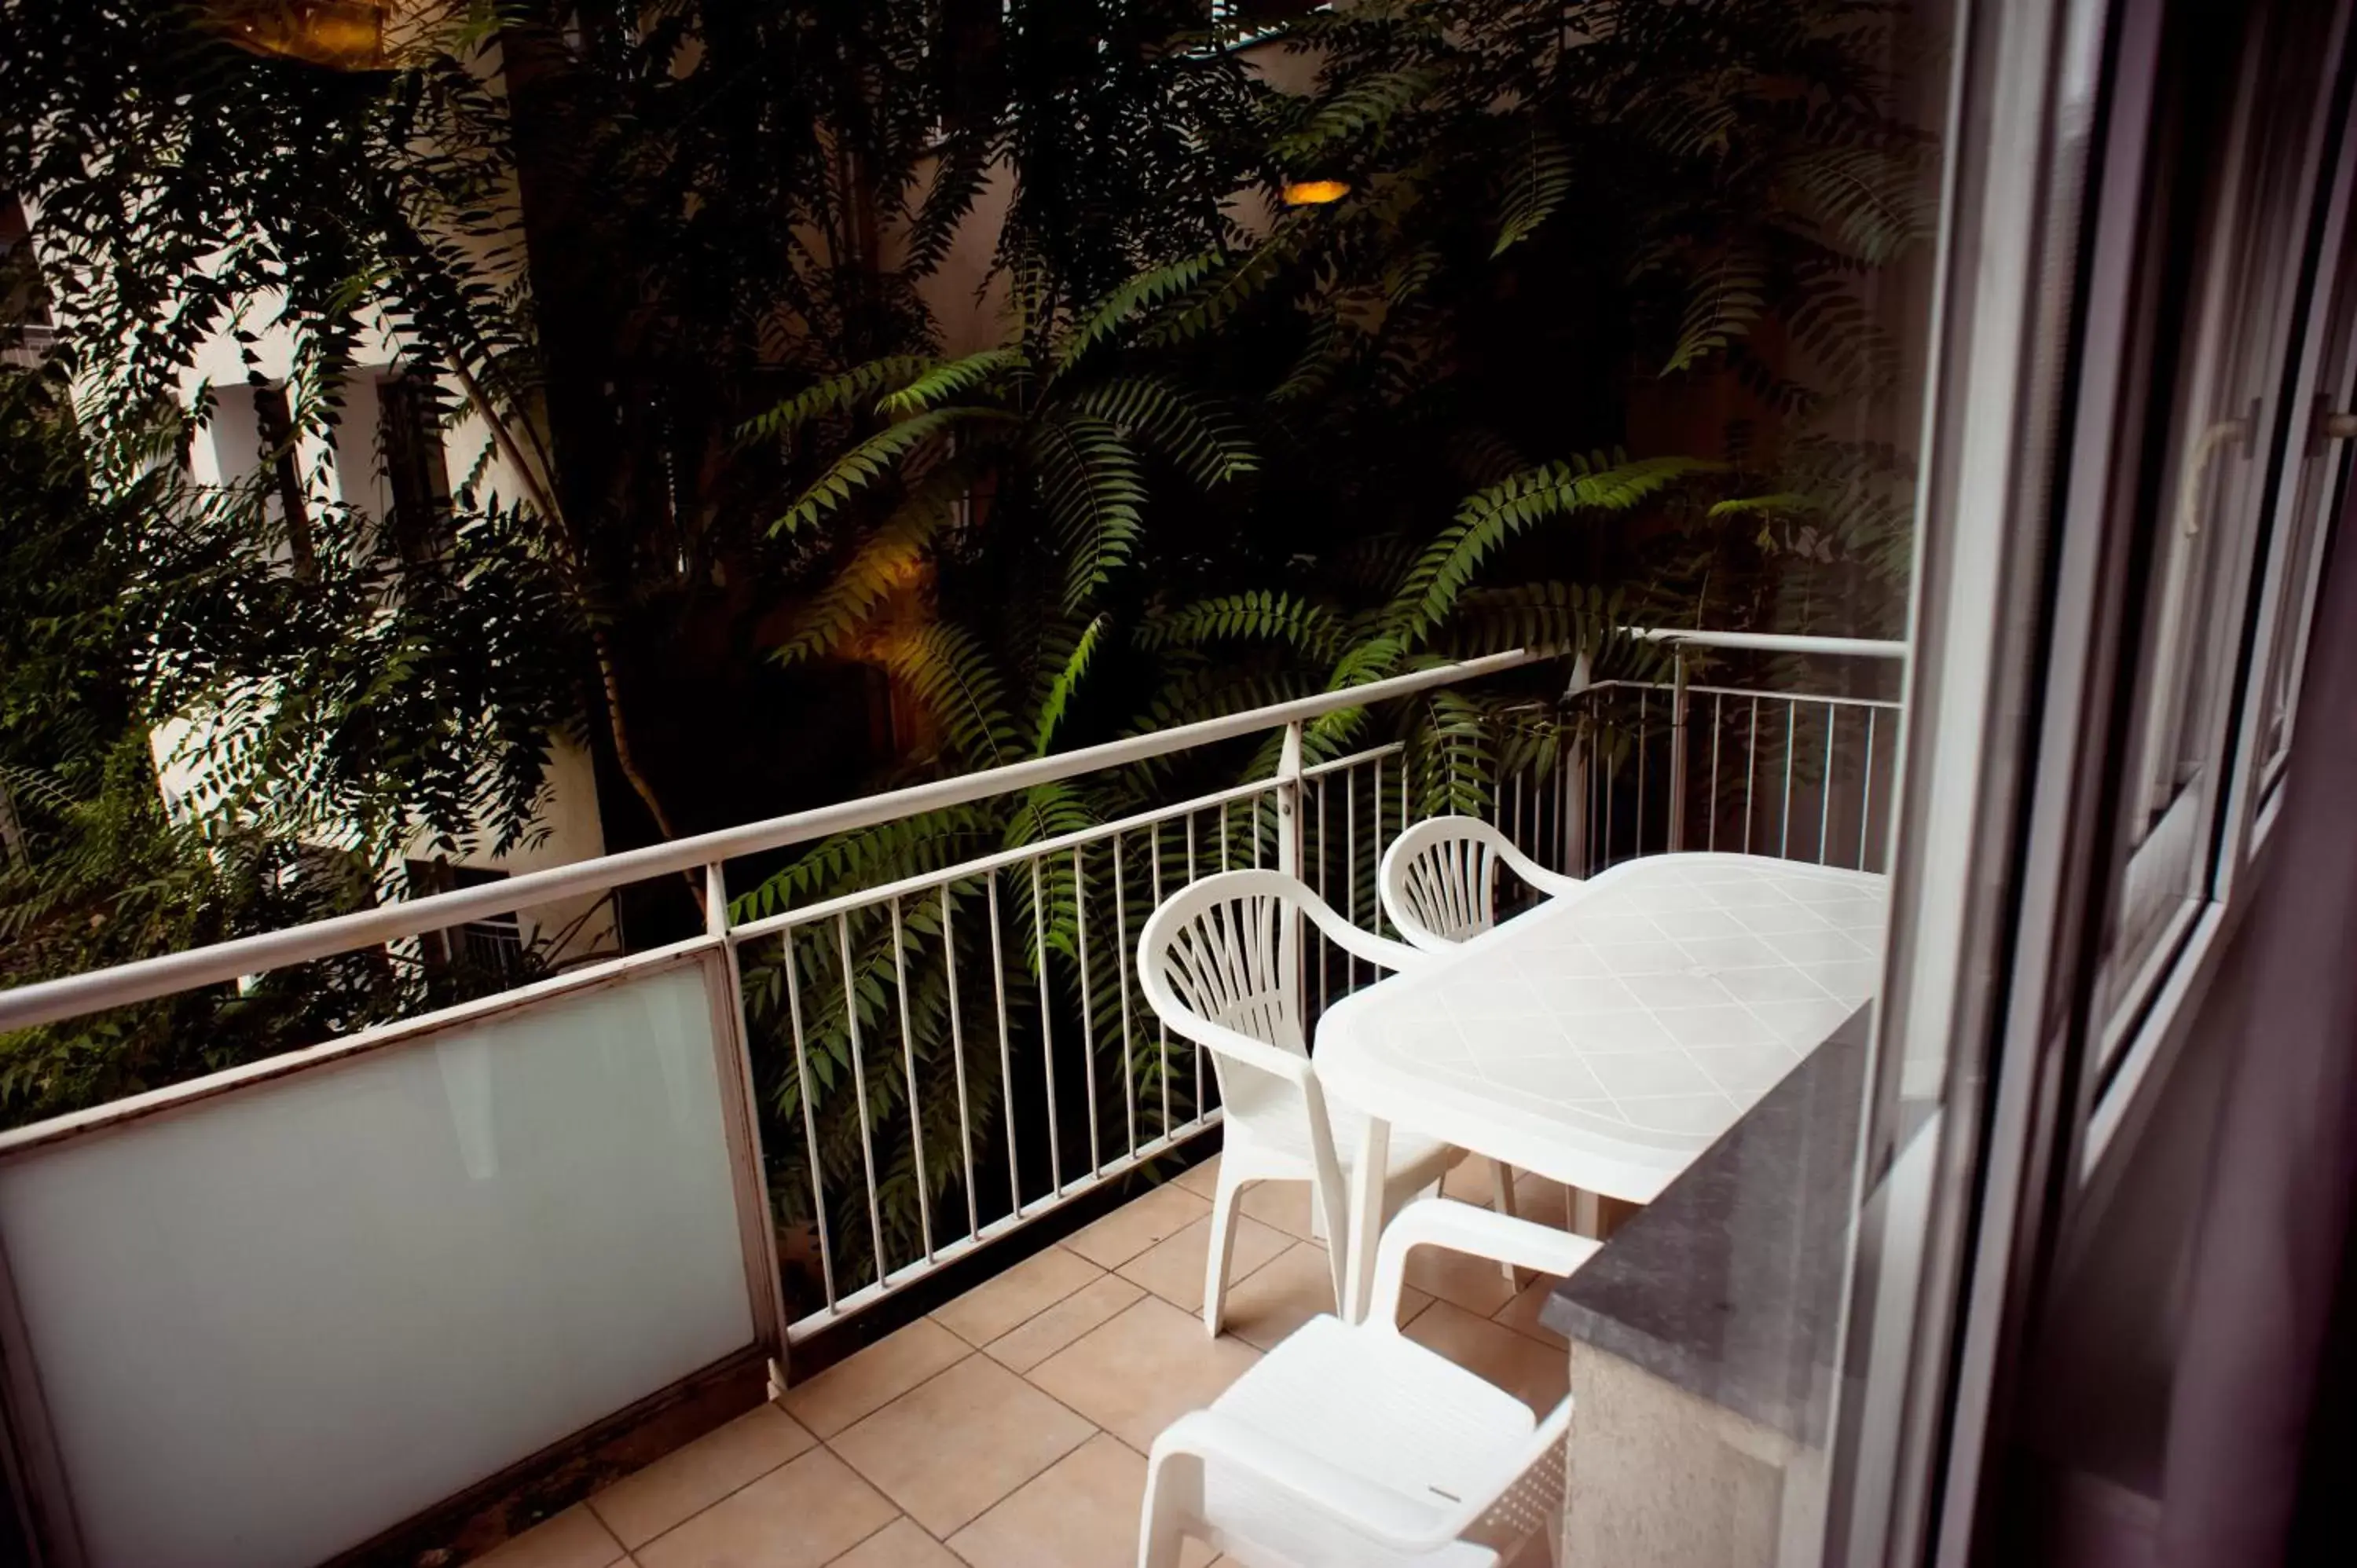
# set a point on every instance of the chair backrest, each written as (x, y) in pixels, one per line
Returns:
(1226, 949)
(1221, 963)
(1438, 880)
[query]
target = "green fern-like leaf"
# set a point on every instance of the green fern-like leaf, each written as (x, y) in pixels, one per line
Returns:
(1089, 480)
(947, 380)
(1490, 518)
(882, 561)
(1066, 681)
(1139, 294)
(1781, 504)
(1869, 202)
(885, 452)
(1362, 110)
(836, 395)
(1194, 432)
(1726, 303)
(1257, 617)
(1206, 309)
(950, 677)
(1567, 617)
(1539, 181)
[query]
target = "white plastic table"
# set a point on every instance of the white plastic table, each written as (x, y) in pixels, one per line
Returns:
(1605, 1037)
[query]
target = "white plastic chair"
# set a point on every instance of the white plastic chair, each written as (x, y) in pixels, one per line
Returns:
(1352, 1446)
(1221, 963)
(1438, 880)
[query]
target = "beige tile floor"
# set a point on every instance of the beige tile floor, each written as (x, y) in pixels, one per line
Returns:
(1009, 1429)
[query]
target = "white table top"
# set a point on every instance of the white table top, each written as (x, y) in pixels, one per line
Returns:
(1605, 1039)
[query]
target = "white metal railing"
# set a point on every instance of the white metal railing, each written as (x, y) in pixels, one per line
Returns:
(937, 1062)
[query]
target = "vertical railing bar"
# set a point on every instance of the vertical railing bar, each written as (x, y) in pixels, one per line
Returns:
(1005, 1046)
(1088, 1008)
(1401, 772)
(1224, 835)
(908, 1072)
(1047, 1029)
(718, 921)
(1750, 768)
(1784, 833)
(1866, 792)
(1825, 787)
(1197, 1050)
(1161, 1031)
(957, 1051)
(1681, 706)
(859, 1088)
(1121, 972)
(1351, 888)
(1325, 983)
(810, 1114)
(1718, 719)
(1645, 743)
(1608, 793)
(1561, 859)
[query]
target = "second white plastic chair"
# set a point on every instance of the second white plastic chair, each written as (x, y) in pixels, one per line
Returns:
(1221, 964)
(1439, 880)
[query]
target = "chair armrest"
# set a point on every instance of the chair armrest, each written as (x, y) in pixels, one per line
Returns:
(1462, 1228)
(1379, 950)
(1554, 884)
(1375, 1512)
(1236, 1046)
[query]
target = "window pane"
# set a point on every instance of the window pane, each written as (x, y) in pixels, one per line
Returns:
(2238, 203)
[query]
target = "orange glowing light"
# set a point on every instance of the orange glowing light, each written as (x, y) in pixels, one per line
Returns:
(1314, 192)
(342, 35)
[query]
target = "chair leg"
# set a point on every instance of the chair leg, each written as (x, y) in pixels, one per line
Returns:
(1221, 1250)
(1170, 1500)
(1501, 1183)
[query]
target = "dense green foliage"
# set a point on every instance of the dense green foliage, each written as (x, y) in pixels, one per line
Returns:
(1601, 332)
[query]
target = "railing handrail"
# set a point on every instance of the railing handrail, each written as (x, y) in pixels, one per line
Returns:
(1772, 642)
(144, 980)
(49, 1001)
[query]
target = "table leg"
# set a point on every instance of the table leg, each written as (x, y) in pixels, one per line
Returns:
(1368, 1184)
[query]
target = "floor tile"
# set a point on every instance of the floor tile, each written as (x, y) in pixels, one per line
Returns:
(1026, 1347)
(1022, 1292)
(1281, 1205)
(1080, 1513)
(1138, 1374)
(641, 1506)
(1535, 1373)
(574, 1539)
(1137, 1225)
(1521, 1313)
(1478, 1284)
(1282, 1295)
(949, 1448)
(900, 1544)
(806, 1512)
(1538, 1199)
(874, 1378)
(1202, 1180)
(1173, 1269)
(1470, 1181)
